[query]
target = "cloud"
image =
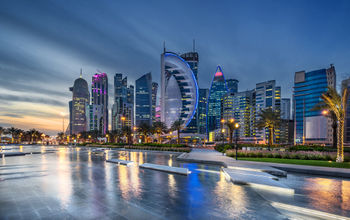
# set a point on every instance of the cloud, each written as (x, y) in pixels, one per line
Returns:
(11, 115)
(47, 101)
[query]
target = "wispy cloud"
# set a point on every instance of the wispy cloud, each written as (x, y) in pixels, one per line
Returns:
(47, 101)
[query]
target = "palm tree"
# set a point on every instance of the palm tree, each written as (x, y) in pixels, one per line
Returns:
(269, 119)
(144, 129)
(2, 130)
(321, 106)
(13, 132)
(60, 136)
(337, 104)
(126, 131)
(159, 128)
(177, 126)
(232, 126)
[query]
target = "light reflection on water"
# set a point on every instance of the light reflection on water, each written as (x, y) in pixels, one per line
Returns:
(79, 179)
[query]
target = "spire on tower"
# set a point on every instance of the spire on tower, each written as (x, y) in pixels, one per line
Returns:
(194, 45)
(164, 47)
(81, 73)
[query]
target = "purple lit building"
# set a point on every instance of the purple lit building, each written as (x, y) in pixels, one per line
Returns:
(99, 96)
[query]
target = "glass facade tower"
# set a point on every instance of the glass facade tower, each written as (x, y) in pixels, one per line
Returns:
(310, 125)
(99, 95)
(143, 100)
(217, 91)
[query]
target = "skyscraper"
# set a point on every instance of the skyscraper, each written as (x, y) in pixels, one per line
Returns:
(267, 95)
(179, 90)
(143, 100)
(123, 107)
(99, 95)
(310, 125)
(154, 100)
(192, 59)
(202, 111)
(285, 109)
(217, 91)
(238, 106)
(80, 98)
(232, 85)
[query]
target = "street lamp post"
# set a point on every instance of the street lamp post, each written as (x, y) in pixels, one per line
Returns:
(236, 128)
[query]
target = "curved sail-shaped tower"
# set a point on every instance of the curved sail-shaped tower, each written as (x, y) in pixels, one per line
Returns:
(179, 90)
(217, 90)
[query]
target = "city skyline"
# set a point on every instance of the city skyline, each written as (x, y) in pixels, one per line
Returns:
(39, 64)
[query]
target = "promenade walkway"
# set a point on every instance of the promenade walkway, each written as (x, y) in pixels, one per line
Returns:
(217, 158)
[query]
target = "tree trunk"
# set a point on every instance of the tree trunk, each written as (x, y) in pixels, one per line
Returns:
(340, 145)
(231, 133)
(178, 136)
(335, 138)
(270, 138)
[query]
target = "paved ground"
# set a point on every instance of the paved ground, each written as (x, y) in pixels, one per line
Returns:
(214, 157)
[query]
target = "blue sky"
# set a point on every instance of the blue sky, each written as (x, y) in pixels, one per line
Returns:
(44, 44)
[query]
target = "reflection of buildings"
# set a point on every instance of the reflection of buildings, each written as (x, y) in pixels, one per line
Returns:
(80, 99)
(123, 107)
(143, 101)
(99, 96)
(179, 90)
(310, 126)
(217, 91)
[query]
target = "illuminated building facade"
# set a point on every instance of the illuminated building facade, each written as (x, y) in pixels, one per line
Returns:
(143, 100)
(217, 91)
(80, 98)
(310, 126)
(99, 96)
(154, 100)
(232, 85)
(346, 85)
(179, 90)
(94, 114)
(267, 95)
(202, 111)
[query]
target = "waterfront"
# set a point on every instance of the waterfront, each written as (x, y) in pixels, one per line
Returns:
(77, 183)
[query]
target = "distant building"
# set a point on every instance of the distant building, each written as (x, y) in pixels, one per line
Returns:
(143, 100)
(179, 90)
(94, 114)
(154, 100)
(217, 91)
(346, 85)
(202, 111)
(123, 107)
(267, 95)
(238, 106)
(80, 99)
(99, 96)
(310, 125)
(232, 85)
(285, 109)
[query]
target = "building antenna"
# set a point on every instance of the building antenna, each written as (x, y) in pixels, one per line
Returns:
(81, 72)
(164, 47)
(194, 45)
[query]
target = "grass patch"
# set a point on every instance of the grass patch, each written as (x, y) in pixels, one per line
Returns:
(299, 162)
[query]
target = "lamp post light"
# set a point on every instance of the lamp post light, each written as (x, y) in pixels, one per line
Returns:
(236, 128)
(222, 133)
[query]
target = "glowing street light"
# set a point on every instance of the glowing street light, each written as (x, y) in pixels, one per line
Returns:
(325, 112)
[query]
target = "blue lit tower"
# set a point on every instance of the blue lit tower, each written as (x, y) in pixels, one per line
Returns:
(179, 90)
(99, 96)
(217, 91)
(143, 100)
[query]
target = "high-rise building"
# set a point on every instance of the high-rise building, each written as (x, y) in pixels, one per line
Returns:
(238, 106)
(217, 91)
(202, 111)
(99, 96)
(285, 109)
(192, 59)
(80, 98)
(310, 125)
(123, 107)
(143, 101)
(154, 100)
(94, 114)
(267, 95)
(232, 85)
(346, 85)
(179, 90)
